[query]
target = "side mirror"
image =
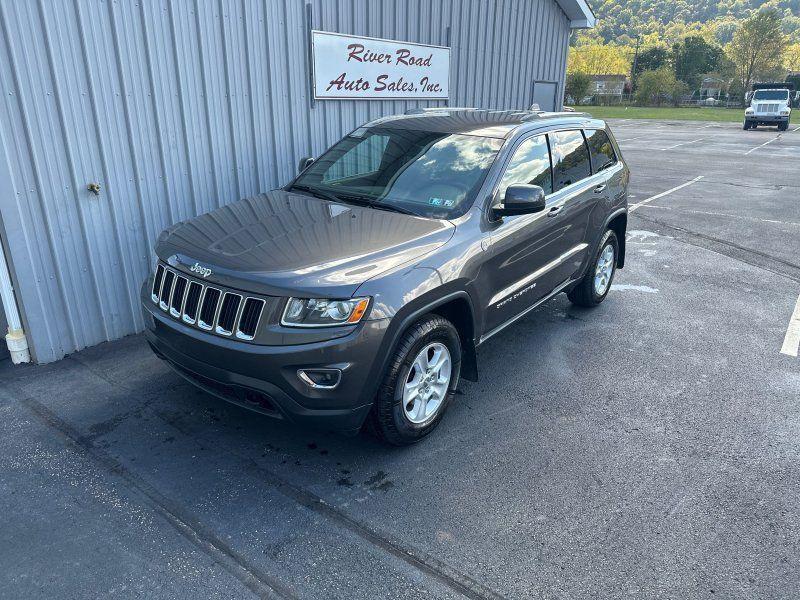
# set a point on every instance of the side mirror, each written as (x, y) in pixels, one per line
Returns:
(521, 199)
(305, 162)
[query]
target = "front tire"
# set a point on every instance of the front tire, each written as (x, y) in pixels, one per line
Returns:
(594, 287)
(419, 383)
(783, 126)
(746, 125)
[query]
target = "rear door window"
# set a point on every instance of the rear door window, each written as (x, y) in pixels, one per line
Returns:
(530, 164)
(571, 161)
(600, 148)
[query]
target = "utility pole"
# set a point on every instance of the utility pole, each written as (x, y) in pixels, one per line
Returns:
(634, 70)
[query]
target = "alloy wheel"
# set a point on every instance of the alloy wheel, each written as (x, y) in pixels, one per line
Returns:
(604, 270)
(427, 383)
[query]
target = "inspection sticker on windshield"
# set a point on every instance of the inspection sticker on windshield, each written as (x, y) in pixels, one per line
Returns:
(440, 202)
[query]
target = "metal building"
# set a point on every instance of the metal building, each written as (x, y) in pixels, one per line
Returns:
(121, 117)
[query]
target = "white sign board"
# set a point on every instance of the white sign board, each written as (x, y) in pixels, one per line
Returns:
(350, 67)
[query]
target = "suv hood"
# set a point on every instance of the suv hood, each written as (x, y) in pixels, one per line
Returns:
(280, 243)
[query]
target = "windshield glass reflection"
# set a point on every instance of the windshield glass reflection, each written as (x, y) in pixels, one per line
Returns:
(427, 173)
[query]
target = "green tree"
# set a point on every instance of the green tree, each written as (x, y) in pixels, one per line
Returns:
(758, 47)
(577, 85)
(792, 57)
(652, 59)
(649, 59)
(664, 22)
(693, 57)
(594, 59)
(656, 86)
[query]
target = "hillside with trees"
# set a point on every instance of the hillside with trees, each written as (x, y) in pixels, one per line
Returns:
(670, 48)
(621, 21)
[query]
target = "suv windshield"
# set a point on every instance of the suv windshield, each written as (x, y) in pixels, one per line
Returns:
(431, 174)
(771, 95)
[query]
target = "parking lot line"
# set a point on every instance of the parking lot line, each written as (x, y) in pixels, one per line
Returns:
(764, 144)
(683, 144)
(633, 207)
(796, 128)
(725, 215)
(631, 139)
(791, 342)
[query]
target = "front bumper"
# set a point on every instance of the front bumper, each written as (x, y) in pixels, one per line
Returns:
(264, 378)
(767, 119)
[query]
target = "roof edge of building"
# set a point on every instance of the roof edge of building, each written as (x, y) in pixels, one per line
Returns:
(579, 13)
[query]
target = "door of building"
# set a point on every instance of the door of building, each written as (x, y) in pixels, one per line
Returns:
(544, 94)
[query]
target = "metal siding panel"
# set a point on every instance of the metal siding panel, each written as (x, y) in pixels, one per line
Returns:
(126, 254)
(536, 58)
(177, 107)
(502, 35)
(26, 215)
(71, 122)
(3, 327)
(521, 89)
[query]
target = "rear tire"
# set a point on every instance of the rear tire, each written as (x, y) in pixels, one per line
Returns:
(396, 417)
(596, 283)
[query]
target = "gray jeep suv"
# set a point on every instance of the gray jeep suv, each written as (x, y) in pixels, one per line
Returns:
(360, 292)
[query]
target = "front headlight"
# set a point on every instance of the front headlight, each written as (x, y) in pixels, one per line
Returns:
(785, 111)
(748, 111)
(319, 312)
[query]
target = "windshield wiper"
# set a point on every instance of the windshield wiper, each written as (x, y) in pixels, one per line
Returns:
(374, 203)
(393, 208)
(316, 192)
(351, 199)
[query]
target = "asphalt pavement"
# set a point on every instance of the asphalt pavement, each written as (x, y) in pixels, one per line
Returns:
(646, 448)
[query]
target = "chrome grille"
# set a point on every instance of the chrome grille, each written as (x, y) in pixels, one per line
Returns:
(208, 308)
(248, 321)
(192, 302)
(157, 280)
(767, 107)
(228, 312)
(178, 295)
(166, 289)
(212, 309)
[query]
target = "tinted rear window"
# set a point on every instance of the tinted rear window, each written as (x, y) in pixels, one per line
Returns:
(570, 158)
(601, 149)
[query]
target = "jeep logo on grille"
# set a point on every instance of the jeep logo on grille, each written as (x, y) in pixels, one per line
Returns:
(200, 270)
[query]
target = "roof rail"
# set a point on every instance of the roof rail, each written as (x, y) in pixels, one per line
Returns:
(420, 111)
(543, 113)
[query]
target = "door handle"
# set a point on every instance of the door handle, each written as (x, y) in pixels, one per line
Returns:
(600, 188)
(555, 210)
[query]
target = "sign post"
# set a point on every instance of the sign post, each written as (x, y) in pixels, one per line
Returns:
(349, 67)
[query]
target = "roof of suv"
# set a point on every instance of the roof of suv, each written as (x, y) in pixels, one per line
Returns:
(475, 121)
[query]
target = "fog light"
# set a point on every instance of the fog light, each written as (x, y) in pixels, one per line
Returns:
(326, 379)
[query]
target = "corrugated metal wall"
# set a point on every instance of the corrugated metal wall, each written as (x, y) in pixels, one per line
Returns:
(177, 107)
(3, 329)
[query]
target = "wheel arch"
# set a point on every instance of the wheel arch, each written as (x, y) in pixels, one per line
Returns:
(457, 307)
(459, 312)
(618, 222)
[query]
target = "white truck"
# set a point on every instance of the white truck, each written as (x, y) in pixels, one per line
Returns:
(769, 107)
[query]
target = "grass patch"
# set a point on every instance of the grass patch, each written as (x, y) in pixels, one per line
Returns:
(730, 115)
